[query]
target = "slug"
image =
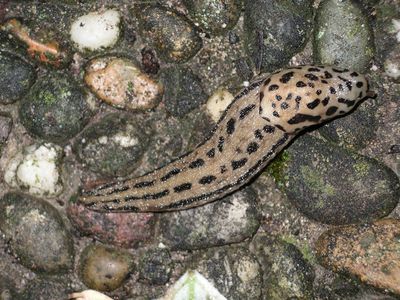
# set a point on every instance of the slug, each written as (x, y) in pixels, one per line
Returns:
(262, 119)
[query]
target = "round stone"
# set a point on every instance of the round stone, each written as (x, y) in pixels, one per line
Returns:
(36, 233)
(113, 146)
(343, 36)
(332, 185)
(155, 266)
(369, 252)
(55, 109)
(16, 77)
(104, 268)
(214, 224)
(120, 83)
(276, 30)
(172, 35)
(214, 16)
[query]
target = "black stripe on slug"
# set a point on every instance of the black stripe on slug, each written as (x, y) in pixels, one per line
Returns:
(340, 71)
(230, 126)
(236, 164)
(252, 147)
(267, 81)
(349, 103)
(156, 195)
(196, 163)
(207, 179)
(286, 77)
(221, 142)
(183, 187)
(300, 118)
(106, 185)
(143, 184)
(211, 153)
(170, 174)
(245, 111)
(313, 104)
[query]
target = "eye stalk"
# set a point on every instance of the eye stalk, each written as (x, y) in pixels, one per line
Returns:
(300, 97)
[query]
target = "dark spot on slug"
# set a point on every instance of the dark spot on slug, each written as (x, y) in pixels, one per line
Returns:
(170, 174)
(313, 70)
(359, 84)
(278, 98)
(313, 104)
(280, 127)
(223, 169)
(289, 96)
(267, 81)
(312, 77)
(211, 153)
(230, 126)
(349, 103)
(286, 77)
(156, 195)
(332, 90)
(284, 105)
(245, 111)
(324, 81)
(269, 129)
(258, 134)
(300, 84)
(144, 184)
(300, 118)
(183, 187)
(261, 96)
(331, 110)
(196, 164)
(221, 142)
(327, 75)
(236, 164)
(340, 71)
(275, 114)
(252, 147)
(273, 87)
(325, 101)
(354, 74)
(207, 179)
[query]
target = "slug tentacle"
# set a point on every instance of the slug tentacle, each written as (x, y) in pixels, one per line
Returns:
(260, 121)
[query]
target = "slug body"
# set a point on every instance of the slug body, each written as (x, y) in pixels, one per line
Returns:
(260, 121)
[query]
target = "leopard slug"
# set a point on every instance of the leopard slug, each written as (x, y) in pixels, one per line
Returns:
(262, 119)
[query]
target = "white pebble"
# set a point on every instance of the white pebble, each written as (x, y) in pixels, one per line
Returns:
(35, 170)
(96, 30)
(218, 102)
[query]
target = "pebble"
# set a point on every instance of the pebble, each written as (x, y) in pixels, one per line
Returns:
(335, 186)
(215, 224)
(16, 77)
(35, 170)
(5, 128)
(104, 268)
(96, 30)
(343, 36)
(276, 30)
(369, 252)
(214, 16)
(46, 288)
(218, 102)
(286, 274)
(113, 228)
(172, 35)
(120, 83)
(112, 146)
(183, 90)
(155, 266)
(55, 109)
(232, 270)
(36, 233)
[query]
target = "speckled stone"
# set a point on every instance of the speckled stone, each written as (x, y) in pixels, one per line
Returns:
(155, 266)
(183, 90)
(172, 35)
(286, 274)
(46, 288)
(336, 186)
(119, 82)
(214, 224)
(343, 35)
(369, 252)
(5, 128)
(214, 16)
(36, 233)
(232, 270)
(104, 268)
(55, 109)
(276, 30)
(113, 228)
(16, 77)
(113, 146)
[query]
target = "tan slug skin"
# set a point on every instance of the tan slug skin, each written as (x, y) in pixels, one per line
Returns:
(260, 121)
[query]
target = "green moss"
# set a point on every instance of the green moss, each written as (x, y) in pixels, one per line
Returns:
(316, 182)
(361, 168)
(47, 96)
(304, 248)
(278, 166)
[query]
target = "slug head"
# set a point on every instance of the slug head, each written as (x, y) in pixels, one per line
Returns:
(299, 97)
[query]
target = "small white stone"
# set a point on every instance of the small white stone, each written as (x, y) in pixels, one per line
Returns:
(396, 25)
(35, 170)
(218, 102)
(96, 30)
(125, 140)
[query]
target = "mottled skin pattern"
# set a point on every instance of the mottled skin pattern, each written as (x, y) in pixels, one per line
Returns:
(260, 121)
